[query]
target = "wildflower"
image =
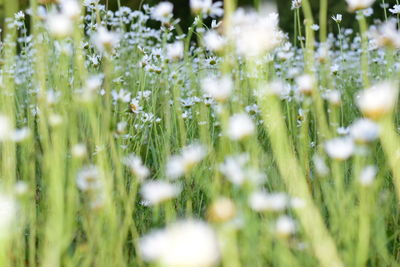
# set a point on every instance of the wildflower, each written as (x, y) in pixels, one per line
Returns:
(163, 11)
(255, 34)
(320, 166)
(134, 163)
(214, 42)
(395, 10)
(285, 226)
(315, 27)
(355, 5)
(240, 126)
(187, 243)
(340, 148)
(88, 179)
(70, 9)
(79, 151)
(6, 128)
(189, 157)
(175, 51)
(233, 168)
(378, 100)
(364, 131)
(337, 18)
(156, 192)
(206, 8)
(368, 175)
(105, 40)
(387, 35)
(59, 25)
(306, 84)
(222, 210)
(262, 201)
(334, 97)
(296, 4)
(218, 88)
(8, 214)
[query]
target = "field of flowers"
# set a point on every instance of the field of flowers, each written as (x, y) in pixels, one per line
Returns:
(126, 140)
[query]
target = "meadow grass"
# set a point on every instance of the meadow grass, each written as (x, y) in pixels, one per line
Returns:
(241, 148)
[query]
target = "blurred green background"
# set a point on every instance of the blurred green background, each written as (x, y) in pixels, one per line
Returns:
(182, 11)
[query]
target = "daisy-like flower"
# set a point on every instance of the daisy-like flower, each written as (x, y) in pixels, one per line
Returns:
(378, 100)
(214, 41)
(337, 18)
(262, 201)
(136, 166)
(306, 84)
(364, 131)
(285, 226)
(156, 192)
(387, 35)
(190, 156)
(219, 89)
(105, 40)
(206, 8)
(395, 10)
(89, 179)
(163, 11)
(240, 126)
(59, 25)
(296, 4)
(340, 148)
(355, 5)
(222, 210)
(175, 51)
(183, 244)
(70, 8)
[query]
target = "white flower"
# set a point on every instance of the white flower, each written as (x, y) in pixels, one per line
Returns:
(340, 148)
(285, 226)
(395, 10)
(6, 128)
(334, 97)
(70, 8)
(79, 150)
(156, 192)
(214, 41)
(233, 168)
(59, 25)
(183, 244)
(207, 8)
(364, 131)
(368, 175)
(105, 40)
(315, 27)
(189, 157)
(296, 4)
(175, 50)
(8, 214)
(163, 11)
(88, 178)
(359, 4)
(218, 88)
(240, 126)
(387, 34)
(320, 166)
(254, 34)
(378, 100)
(135, 164)
(305, 83)
(338, 18)
(262, 201)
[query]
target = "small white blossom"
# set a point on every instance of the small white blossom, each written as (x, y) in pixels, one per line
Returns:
(135, 164)
(368, 175)
(340, 148)
(364, 131)
(156, 192)
(240, 126)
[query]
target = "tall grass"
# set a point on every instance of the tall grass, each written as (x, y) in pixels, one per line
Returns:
(242, 152)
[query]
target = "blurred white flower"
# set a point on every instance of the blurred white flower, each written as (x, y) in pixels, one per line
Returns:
(163, 11)
(175, 51)
(6, 128)
(190, 156)
(255, 34)
(79, 150)
(240, 126)
(337, 18)
(387, 35)
(105, 40)
(59, 25)
(8, 214)
(207, 8)
(340, 148)
(70, 8)
(183, 244)
(156, 192)
(233, 168)
(262, 201)
(364, 130)
(285, 226)
(395, 10)
(214, 41)
(218, 88)
(306, 84)
(89, 178)
(359, 4)
(296, 4)
(378, 100)
(368, 175)
(135, 164)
